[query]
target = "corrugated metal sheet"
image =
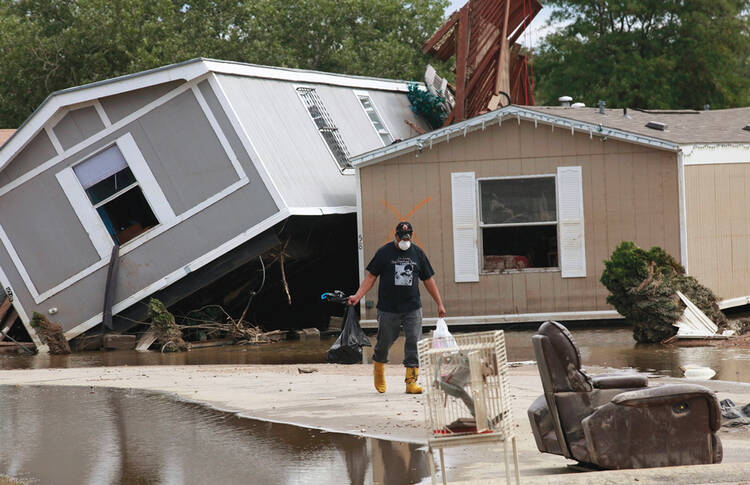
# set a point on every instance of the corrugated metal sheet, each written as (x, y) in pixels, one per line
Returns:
(289, 144)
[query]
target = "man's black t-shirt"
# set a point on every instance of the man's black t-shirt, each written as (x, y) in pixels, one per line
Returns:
(398, 290)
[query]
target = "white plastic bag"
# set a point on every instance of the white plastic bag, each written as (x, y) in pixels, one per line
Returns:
(442, 338)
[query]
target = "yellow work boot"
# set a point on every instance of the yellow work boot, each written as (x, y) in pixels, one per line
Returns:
(378, 373)
(411, 381)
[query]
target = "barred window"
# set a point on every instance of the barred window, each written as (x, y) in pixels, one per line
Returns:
(375, 119)
(326, 127)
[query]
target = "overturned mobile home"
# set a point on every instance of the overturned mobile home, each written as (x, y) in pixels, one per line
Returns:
(192, 171)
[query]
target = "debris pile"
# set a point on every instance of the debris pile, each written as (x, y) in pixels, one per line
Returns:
(733, 415)
(51, 334)
(644, 288)
(168, 333)
(210, 322)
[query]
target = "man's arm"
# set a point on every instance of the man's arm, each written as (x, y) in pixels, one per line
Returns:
(432, 289)
(363, 288)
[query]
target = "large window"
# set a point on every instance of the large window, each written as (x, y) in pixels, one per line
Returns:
(518, 223)
(372, 113)
(326, 127)
(116, 195)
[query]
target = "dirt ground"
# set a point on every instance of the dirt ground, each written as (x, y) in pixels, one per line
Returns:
(341, 398)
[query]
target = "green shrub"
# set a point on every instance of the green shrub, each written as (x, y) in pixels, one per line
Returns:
(643, 288)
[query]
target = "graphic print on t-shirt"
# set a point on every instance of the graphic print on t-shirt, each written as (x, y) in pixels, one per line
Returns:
(403, 272)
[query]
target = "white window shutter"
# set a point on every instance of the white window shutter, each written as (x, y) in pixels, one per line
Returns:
(465, 253)
(570, 218)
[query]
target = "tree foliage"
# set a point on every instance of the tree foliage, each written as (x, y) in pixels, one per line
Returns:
(47, 45)
(643, 286)
(647, 53)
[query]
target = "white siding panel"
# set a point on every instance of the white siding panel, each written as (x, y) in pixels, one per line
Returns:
(465, 254)
(570, 216)
(288, 144)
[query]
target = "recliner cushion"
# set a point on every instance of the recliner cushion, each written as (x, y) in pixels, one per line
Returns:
(621, 381)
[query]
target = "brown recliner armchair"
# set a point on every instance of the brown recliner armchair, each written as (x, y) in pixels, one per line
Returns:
(616, 421)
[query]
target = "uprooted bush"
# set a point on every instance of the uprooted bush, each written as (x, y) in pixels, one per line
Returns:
(51, 334)
(168, 333)
(643, 286)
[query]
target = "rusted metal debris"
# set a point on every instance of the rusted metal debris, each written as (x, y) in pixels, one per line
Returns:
(491, 70)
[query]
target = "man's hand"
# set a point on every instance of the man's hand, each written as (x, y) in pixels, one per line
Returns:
(432, 289)
(353, 300)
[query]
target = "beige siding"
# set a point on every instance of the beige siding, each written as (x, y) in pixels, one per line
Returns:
(630, 192)
(718, 227)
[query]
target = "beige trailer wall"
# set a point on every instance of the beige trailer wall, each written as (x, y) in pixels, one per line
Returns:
(630, 192)
(717, 197)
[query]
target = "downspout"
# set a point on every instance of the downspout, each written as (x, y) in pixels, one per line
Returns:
(683, 210)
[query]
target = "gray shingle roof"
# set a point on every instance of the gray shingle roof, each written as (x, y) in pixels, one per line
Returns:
(683, 126)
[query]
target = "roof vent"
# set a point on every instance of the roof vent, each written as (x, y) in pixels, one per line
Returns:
(655, 125)
(565, 101)
(706, 107)
(578, 105)
(602, 104)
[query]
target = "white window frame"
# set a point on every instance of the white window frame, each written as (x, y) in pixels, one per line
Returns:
(366, 94)
(481, 225)
(86, 210)
(345, 169)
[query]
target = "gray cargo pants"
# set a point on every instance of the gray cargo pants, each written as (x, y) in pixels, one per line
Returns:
(389, 326)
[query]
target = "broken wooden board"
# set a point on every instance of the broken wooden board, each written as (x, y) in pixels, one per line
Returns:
(211, 343)
(7, 323)
(113, 341)
(146, 341)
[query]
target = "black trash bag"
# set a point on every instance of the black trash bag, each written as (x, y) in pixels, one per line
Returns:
(348, 347)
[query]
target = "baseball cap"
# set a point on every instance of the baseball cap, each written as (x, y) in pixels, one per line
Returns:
(404, 230)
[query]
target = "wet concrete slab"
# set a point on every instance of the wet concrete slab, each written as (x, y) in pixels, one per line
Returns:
(341, 398)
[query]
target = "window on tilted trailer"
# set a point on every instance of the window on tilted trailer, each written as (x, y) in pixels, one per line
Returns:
(326, 127)
(375, 119)
(116, 195)
(518, 223)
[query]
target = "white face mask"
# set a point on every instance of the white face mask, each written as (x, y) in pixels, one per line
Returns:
(404, 245)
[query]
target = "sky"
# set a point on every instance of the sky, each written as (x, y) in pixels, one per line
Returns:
(536, 31)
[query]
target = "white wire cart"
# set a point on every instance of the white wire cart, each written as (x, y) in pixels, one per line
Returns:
(467, 395)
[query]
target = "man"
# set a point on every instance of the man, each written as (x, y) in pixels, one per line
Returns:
(399, 304)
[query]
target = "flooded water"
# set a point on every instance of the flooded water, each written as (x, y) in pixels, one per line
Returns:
(97, 436)
(608, 347)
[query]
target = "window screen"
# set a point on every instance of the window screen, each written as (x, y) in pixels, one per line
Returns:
(326, 127)
(513, 201)
(518, 223)
(377, 122)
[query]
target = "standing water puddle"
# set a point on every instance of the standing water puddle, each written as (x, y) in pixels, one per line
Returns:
(607, 347)
(69, 435)
(98, 436)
